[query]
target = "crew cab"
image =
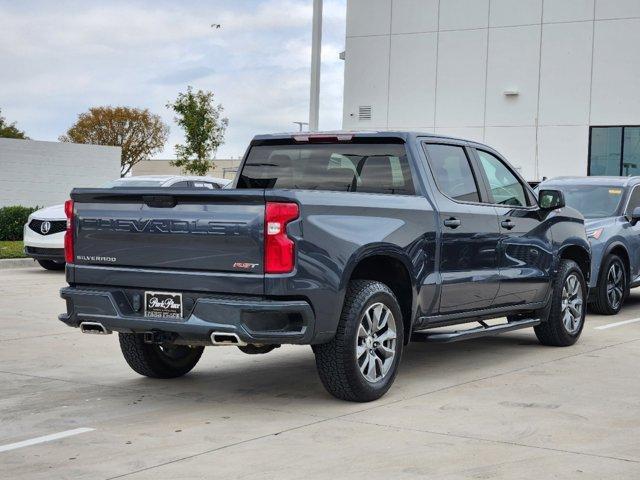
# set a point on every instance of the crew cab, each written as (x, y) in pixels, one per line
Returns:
(353, 243)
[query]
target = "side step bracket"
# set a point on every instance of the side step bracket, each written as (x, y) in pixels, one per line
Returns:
(483, 331)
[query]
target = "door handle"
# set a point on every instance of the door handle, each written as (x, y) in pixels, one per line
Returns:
(508, 224)
(452, 222)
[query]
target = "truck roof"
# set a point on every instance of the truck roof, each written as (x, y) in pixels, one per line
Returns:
(405, 135)
(594, 180)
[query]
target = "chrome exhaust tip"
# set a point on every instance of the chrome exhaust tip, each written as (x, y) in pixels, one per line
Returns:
(94, 328)
(226, 338)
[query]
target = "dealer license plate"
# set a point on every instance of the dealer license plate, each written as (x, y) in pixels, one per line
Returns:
(163, 304)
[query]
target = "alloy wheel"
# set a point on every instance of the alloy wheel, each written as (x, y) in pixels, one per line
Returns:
(615, 285)
(572, 304)
(376, 342)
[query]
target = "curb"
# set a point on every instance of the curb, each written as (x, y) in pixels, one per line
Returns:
(16, 263)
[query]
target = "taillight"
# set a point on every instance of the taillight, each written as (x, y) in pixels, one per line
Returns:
(68, 235)
(279, 249)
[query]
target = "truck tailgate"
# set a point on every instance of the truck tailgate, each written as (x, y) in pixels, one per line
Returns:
(172, 230)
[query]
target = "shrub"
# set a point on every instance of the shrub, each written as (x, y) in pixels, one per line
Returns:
(12, 220)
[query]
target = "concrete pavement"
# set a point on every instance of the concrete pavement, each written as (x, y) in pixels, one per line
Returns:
(503, 407)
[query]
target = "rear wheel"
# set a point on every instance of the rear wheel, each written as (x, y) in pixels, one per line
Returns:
(51, 264)
(361, 361)
(611, 290)
(566, 316)
(158, 361)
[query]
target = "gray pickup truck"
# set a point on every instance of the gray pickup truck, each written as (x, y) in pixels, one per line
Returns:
(353, 243)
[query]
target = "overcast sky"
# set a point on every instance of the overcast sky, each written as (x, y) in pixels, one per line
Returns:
(58, 58)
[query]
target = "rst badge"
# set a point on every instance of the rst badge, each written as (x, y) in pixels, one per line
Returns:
(245, 265)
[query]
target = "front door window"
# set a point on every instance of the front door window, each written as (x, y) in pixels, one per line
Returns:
(505, 187)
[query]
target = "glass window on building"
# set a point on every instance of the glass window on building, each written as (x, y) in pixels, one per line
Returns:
(631, 151)
(614, 151)
(606, 151)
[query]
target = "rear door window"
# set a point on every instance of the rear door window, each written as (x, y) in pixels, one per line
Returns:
(349, 167)
(452, 172)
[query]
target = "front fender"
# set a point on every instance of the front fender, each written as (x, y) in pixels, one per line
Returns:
(580, 251)
(570, 239)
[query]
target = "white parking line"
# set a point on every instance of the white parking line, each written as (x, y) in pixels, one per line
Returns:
(45, 438)
(617, 324)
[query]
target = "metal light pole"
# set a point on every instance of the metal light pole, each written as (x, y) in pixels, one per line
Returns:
(316, 51)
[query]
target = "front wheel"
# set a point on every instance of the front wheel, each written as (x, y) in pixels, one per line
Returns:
(611, 290)
(361, 361)
(566, 316)
(158, 361)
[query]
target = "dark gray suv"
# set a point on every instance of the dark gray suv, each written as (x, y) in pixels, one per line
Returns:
(611, 207)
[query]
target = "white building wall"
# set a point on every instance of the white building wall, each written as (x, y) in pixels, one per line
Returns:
(444, 66)
(222, 168)
(41, 174)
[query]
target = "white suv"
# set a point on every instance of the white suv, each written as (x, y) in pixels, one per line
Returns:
(44, 230)
(44, 237)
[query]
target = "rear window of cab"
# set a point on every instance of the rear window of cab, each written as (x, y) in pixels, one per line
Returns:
(341, 167)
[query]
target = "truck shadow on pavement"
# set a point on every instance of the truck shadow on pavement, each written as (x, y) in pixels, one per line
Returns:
(36, 270)
(290, 377)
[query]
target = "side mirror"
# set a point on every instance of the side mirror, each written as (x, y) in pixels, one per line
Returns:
(551, 199)
(635, 216)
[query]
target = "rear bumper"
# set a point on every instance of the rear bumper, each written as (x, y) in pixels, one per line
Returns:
(38, 253)
(253, 319)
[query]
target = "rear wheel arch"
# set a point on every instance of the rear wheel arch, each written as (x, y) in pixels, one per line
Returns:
(394, 270)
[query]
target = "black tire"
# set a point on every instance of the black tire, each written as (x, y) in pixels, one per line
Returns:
(603, 303)
(553, 331)
(155, 361)
(338, 366)
(51, 264)
(257, 349)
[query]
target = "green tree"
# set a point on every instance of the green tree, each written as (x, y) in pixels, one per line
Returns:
(9, 130)
(204, 129)
(138, 132)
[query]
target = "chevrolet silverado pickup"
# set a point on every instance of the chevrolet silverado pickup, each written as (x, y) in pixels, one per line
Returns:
(355, 243)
